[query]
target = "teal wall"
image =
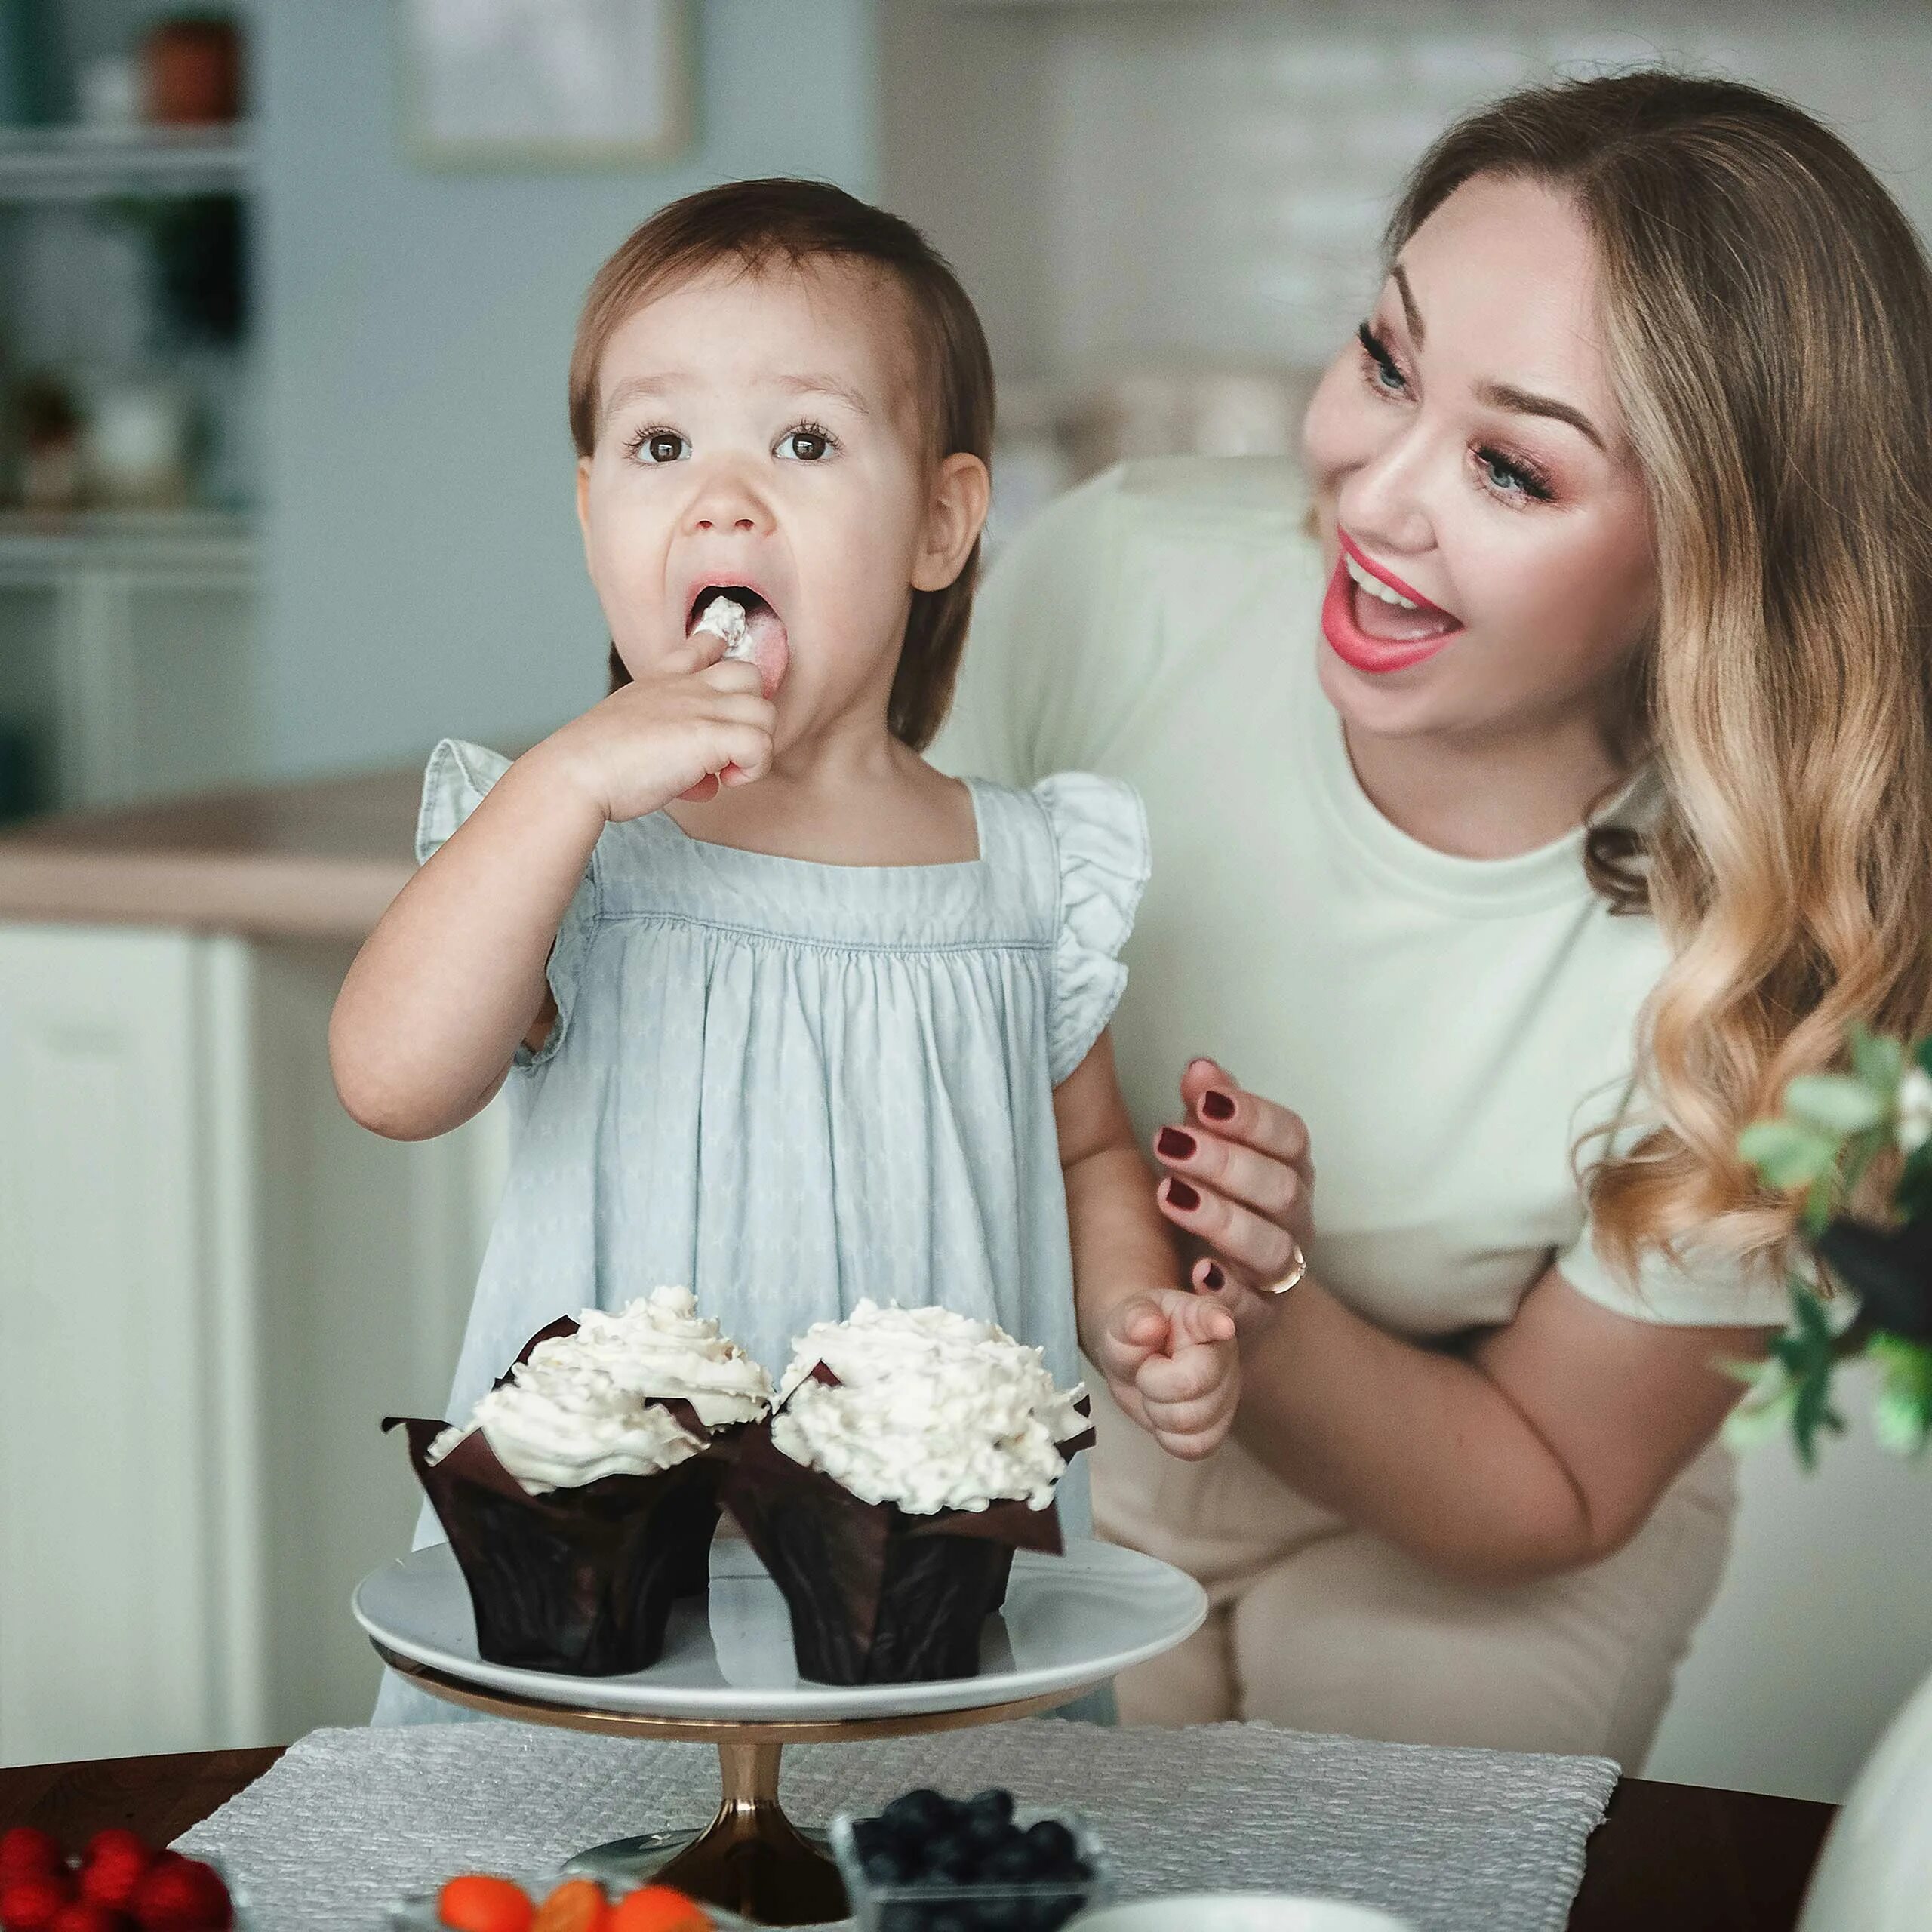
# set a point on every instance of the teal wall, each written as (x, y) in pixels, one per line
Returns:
(423, 573)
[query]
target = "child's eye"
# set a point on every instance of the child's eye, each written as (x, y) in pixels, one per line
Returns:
(807, 444)
(659, 446)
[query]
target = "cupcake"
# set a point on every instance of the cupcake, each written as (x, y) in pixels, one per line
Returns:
(581, 1497)
(913, 1450)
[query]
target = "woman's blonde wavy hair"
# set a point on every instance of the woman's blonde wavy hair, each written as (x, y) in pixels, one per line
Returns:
(1766, 310)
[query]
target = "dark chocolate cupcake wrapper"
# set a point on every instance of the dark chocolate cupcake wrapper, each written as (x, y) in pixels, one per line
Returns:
(580, 1580)
(876, 1595)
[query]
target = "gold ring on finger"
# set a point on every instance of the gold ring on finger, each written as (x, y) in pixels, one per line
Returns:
(1297, 1269)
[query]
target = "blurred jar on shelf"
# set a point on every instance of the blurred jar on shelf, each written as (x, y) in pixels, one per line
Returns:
(191, 72)
(44, 429)
(137, 444)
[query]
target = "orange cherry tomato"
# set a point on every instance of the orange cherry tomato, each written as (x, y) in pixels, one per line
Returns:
(477, 1902)
(578, 1904)
(659, 1909)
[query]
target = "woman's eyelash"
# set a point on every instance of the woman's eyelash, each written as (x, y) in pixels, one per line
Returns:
(1508, 476)
(1525, 479)
(1377, 351)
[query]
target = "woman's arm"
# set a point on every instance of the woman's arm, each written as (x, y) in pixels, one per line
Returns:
(1544, 1447)
(1169, 1357)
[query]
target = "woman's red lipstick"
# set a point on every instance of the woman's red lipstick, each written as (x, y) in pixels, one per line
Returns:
(1353, 644)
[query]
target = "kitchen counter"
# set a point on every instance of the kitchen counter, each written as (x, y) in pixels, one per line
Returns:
(319, 860)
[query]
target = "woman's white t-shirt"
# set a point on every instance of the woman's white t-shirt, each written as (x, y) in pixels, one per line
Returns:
(1447, 1027)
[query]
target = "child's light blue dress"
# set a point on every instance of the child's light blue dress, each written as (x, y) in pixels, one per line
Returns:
(792, 1086)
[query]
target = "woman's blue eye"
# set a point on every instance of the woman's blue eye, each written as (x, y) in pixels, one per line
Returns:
(661, 446)
(1510, 479)
(1384, 375)
(806, 445)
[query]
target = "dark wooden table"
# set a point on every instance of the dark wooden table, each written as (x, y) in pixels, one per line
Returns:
(1669, 1858)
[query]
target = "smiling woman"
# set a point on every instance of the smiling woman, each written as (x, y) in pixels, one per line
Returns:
(1591, 808)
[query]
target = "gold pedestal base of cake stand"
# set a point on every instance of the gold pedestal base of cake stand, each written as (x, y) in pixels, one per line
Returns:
(750, 1859)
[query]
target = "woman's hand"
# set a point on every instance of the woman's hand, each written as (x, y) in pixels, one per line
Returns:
(1171, 1364)
(1241, 1184)
(696, 718)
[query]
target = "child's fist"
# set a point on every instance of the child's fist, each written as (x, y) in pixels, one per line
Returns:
(1172, 1362)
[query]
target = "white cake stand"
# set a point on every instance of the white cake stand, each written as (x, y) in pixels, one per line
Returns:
(728, 1678)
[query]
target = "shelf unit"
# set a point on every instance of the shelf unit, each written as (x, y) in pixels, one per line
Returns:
(127, 638)
(84, 164)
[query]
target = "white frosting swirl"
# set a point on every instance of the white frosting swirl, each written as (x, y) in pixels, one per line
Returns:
(562, 1423)
(933, 1411)
(660, 1346)
(591, 1404)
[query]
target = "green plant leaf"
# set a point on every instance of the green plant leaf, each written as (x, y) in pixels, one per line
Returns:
(1877, 1058)
(1922, 1053)
(1788, 1154)
(1835, 1103)
(1902, 1417)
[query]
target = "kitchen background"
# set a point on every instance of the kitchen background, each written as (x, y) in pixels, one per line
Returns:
(284, 493)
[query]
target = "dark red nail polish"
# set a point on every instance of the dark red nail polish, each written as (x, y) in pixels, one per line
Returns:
(1214, 1278)
(1173, 1145)
(1216, 1105)
(1180, 1195)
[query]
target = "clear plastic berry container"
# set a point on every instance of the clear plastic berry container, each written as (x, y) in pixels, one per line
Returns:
(981, 1900)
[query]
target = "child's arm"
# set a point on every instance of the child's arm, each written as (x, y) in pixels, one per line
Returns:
(1169, 1356)
(453, 976)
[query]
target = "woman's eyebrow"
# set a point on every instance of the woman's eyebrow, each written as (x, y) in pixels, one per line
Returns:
(1506, 395)
(1410, 313)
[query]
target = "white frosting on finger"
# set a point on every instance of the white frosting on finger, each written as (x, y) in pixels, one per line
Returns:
(933, 1411)
(724, 616)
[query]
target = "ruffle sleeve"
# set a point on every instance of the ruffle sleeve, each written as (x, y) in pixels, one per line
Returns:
(1104, 854)
(458, 775)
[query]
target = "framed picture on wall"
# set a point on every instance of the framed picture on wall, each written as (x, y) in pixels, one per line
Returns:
(546, 83)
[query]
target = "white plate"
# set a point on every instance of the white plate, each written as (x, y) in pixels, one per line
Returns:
(1241, 1911)
(1069, 1621)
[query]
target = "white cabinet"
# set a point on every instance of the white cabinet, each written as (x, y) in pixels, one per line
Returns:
(212, 1286)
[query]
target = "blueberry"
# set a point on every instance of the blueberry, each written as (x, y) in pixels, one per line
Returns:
(889, 1864)
(949, 1861)
(1009, 1864)
(917, 1814)
(995, 1803)
(1054, 1849)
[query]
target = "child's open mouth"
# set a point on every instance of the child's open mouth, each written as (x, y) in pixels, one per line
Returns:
(754, 632)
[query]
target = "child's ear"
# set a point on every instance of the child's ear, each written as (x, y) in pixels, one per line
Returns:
(955, 516)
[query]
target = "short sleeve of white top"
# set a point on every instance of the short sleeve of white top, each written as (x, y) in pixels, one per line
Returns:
(1448, 1027)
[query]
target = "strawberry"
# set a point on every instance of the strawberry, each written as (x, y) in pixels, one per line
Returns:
(178, 1894)
(112, 1866)
(88, 1915)
(659, 1909)
(26, 1851)
(477, 1902)
(578, 1904)
(32, 1902)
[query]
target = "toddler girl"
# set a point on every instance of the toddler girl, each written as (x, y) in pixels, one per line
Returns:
(786, 1014)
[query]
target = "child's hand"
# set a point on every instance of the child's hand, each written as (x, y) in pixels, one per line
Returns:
(1172, 1362)
(673, 731)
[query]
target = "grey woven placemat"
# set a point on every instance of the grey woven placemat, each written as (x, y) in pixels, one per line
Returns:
(1457, 1840)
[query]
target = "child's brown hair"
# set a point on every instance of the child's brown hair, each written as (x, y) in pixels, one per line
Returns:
(794, 223)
